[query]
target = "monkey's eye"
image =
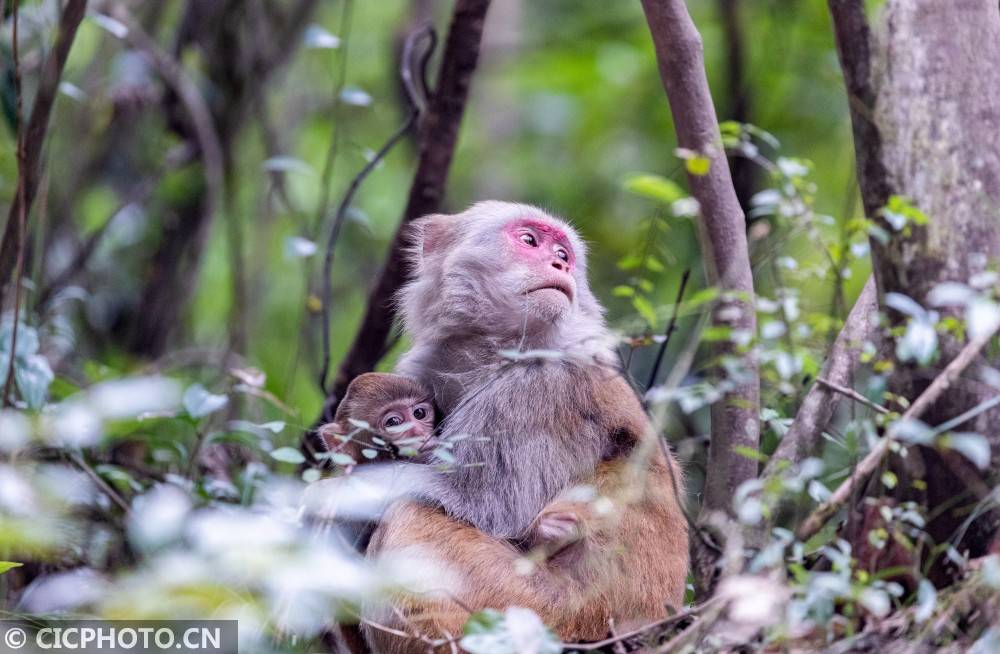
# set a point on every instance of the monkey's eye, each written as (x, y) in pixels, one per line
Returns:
(562, 254)
(421, 413)
(528, 239)
(392, 421)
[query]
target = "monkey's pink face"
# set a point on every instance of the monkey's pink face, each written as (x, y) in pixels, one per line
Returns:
(544, 254)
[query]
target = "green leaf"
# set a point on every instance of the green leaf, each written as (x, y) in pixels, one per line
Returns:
(288, 165)
(342, 459)
(198, 402)
(297, 247)
(355, 97)
(716, 333)
(319, 38)
(623, 291)
(33, 376)
(750, 453)
(288, 455)
(654, 187)
(926, 601)
(8, 565)
(701, 297)
(699, 166)
(483, 622)
(515, 631)
(645, 309)
(27, 339)
(630, 262)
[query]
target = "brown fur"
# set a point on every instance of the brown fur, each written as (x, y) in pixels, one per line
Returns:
(629, 566)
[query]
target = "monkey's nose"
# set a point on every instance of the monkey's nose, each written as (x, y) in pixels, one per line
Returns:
(559, 264)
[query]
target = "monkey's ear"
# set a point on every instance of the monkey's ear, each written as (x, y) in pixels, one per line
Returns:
(331, 429)
(329, 432)
(434, 233)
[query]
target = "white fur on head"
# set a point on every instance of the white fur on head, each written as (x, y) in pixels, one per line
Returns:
(462, 285)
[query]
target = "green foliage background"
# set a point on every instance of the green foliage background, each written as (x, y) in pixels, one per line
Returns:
(566, 103)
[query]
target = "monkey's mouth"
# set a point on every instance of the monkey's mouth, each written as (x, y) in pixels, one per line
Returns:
(555, 286)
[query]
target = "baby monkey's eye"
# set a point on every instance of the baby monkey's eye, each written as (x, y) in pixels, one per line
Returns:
(392, 421)
(528, 239)
(420, 413)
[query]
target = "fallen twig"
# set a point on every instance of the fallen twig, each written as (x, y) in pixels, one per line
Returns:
(438, 135)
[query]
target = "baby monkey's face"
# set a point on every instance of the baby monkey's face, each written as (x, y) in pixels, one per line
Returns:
(385, 414)
(407, 418)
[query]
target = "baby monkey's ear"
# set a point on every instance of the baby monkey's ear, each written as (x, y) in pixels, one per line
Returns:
(329, 433)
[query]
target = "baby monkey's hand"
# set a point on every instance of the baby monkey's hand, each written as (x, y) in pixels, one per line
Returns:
(558, 526)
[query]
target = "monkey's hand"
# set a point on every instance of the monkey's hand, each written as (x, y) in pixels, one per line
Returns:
(558, 526)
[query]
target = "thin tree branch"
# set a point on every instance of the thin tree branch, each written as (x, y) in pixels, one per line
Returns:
(873, 459)
(647, 628)
(804, 437)
(99, 481)
(82, 256)
(345, 203)
(329, 162)
(853, 394)
(438, 136)
(671, 326)
(34, 136)
(21, 217)
(735, 418)
(738, 101)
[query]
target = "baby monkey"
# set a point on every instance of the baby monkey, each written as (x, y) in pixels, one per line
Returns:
(401, 420)
(399, 413)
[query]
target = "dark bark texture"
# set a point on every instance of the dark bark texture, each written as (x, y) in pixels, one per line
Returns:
(738, 101)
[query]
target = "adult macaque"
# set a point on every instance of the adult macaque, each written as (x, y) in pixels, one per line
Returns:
(499, 279)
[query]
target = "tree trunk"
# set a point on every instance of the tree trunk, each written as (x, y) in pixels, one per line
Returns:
(926, 116)
(736, 415)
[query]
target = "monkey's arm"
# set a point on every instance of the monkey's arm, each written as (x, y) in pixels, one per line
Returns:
(630, 565)
(632, 542)
(486, 573)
